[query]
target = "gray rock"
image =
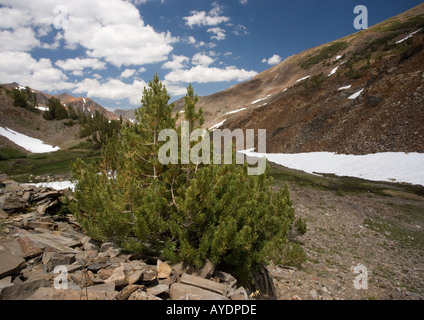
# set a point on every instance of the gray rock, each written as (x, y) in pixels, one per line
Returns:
(164, 270)
(9, 263)
(226, 278)
(207, 270)
(217, 287)
(55, 241)
(6, 282)
(118, 276)
(128, 291)
(21, 247)
(3, 214)
(157, 290)
(23, 290)
(239, 294)
(53, 259)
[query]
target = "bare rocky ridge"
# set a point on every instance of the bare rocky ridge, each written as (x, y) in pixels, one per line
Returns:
(314, 115)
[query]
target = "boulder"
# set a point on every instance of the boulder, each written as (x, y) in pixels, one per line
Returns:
(6, 282)
(109, 249)
(207, 270)
(23, 290)
(53, 259)
(157, 290)
(217, 287)
(128, 291)
(9, 263)
(226, 278)
(21, 247)
(164, 270)
(118, 276)
(3, 214)
(239, 294)
(54, 240)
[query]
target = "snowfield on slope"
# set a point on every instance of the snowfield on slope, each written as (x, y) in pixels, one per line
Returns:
(356, 95)
(217, 125)
(235, 111)
(31, 144)
(386, 166)
(56, 185)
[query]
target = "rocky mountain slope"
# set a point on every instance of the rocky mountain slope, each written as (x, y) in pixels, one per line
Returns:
(34, 125)
(360, 94)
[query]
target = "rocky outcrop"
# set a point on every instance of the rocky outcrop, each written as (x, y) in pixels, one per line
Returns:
(45, 256)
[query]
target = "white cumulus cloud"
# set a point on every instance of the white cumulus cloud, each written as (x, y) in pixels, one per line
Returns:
(275, 59)
(204, 74)
(177, 62)
(202, 59)
(79, 64)
(203, 18)
(219, 33)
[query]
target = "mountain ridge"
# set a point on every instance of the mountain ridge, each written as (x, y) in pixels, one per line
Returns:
(299, 102)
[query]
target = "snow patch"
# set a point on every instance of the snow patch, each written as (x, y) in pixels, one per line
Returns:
(217, 125)
(262, 99)
(386, 166)
(344, 88)
(356, 95)
(304, 78)
(42, 108)
(264, 104)
(28, 143)
(338, 58)
(408, 36)
(56, 185)
(235, 111)
(335, 69)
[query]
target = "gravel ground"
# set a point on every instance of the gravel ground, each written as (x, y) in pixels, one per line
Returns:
(381, 238)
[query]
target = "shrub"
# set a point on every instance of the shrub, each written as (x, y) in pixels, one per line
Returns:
(324, 54)
(24, 98)
(182, 212)
(56, 110)
(300, 225)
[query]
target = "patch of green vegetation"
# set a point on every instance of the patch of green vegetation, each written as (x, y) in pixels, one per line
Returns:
(84, 145)
(24, 98)
(300, 225)
(344, 185)
(55, 163)
(410, 212)
(395, 230)
(7, 153)
(314, 82)
(324, 54)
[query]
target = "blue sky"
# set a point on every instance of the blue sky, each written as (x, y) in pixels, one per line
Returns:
(109, 50)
